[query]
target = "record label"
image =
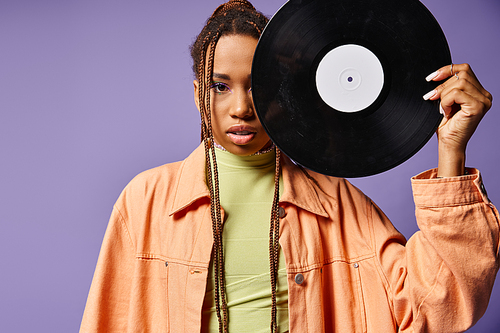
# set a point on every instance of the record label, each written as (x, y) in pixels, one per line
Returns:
(349, 78)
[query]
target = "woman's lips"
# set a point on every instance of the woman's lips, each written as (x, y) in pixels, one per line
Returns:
(241, 134)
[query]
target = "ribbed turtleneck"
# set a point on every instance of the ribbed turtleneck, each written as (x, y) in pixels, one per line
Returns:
(246, 186)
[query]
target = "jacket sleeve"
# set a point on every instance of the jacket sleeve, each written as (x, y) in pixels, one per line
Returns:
(108, 301)
(442, 279)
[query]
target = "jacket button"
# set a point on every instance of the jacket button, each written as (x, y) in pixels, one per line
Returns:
(281, 212)
(299, 278)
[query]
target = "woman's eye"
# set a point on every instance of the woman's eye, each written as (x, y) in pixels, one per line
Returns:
(220, 87)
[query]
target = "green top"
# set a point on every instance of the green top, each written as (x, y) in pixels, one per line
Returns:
(246, 193)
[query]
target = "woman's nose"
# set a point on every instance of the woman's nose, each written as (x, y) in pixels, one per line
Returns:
(243, 105)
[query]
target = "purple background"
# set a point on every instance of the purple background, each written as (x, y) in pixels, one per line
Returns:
(94, 92)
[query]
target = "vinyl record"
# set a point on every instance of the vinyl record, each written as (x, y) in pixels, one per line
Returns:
(338, 84)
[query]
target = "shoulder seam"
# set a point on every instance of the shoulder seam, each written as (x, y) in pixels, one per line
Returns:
(122, 221)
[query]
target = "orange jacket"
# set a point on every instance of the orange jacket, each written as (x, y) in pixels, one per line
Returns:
(356, 272)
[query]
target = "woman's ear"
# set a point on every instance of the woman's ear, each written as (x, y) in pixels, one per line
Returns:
(196, 85)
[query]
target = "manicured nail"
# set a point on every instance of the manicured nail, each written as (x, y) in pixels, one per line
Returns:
(441, 110)
(432, 76)
(430, 94)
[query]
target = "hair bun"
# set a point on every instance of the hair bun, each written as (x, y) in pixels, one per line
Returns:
(232, 4)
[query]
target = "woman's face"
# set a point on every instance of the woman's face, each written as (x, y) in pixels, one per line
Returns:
(235, 124)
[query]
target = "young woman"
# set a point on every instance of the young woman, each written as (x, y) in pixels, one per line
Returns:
(238, 238)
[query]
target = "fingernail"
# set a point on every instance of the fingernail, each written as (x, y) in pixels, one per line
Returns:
(441, 110)
(430, 94)
(432, 76)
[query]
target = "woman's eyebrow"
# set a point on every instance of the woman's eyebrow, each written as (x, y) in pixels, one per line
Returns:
(221, 76)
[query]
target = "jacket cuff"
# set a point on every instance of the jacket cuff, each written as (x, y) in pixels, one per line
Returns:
(430, 191)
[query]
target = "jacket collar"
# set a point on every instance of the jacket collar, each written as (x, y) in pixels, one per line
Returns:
(191, 181)
(191, 185)
(298, 188)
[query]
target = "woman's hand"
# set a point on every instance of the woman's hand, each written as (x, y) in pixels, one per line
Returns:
(464, 102)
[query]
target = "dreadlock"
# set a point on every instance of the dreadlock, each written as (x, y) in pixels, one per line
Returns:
(235, 17)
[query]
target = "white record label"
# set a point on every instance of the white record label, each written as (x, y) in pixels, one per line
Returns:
(349, 78)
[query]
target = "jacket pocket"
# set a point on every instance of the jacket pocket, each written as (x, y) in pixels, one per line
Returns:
(148, 308)
(361, 299)
(343, 300)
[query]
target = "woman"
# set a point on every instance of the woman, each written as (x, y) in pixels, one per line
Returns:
(333, 260)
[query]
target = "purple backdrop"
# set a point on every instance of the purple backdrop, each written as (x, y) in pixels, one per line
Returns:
(94, 92)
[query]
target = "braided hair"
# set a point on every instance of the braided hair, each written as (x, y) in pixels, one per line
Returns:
(235, 17)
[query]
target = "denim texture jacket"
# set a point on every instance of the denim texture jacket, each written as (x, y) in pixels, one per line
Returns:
(349, 269)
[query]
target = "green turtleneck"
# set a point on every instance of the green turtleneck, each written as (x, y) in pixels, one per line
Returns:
(246, 185)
